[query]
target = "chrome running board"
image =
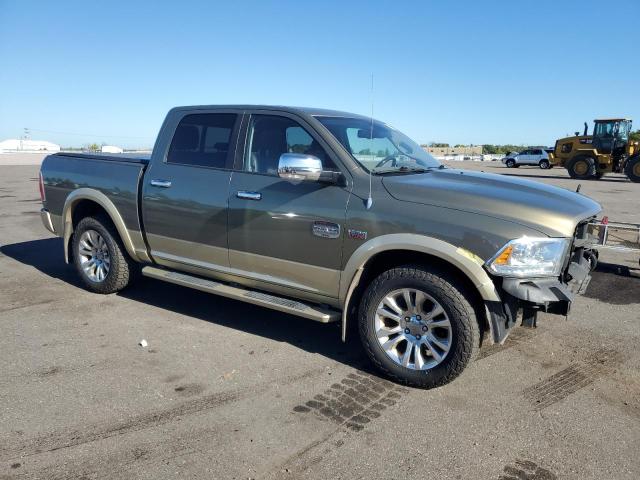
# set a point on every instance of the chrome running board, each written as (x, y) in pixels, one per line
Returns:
(286, 305)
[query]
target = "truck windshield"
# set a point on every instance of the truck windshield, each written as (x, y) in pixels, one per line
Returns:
(379, 148)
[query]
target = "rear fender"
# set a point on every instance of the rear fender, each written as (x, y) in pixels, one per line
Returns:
(101, 199)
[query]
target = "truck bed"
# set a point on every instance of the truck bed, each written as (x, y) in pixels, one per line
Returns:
(124, 157)
(114, 179)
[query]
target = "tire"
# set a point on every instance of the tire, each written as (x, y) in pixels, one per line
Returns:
(436, 288)
(510, 163)
(632, 169)
(109, 253)
(544, 164)
(582, 167)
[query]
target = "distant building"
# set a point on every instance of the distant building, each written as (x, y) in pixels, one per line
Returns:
(27, 146)
(455, 151)
(111, 149)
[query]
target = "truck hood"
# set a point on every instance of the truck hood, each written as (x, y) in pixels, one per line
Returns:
(550, 210)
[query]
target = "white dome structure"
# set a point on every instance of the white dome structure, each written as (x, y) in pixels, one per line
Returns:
(28, 146)
(111, 149)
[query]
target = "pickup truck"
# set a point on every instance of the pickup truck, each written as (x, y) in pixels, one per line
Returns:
(329, 216)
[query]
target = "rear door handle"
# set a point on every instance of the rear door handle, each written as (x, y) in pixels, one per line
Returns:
(249, 195)
(161, 183)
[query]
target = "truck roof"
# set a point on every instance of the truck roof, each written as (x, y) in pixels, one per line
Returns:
(316, 112)
(612, 120)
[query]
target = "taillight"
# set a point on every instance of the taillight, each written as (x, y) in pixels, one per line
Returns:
(41, 185)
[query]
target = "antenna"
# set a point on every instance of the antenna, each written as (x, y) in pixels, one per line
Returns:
(369, 203)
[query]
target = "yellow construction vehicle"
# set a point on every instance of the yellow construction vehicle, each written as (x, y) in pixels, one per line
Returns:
(608, 150)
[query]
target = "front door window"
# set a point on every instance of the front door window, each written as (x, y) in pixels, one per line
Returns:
(270, 136)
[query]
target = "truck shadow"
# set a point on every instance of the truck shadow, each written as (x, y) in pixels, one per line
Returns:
(615, 284)
(45, 255)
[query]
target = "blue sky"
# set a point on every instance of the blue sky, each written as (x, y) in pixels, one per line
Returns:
(458, 72)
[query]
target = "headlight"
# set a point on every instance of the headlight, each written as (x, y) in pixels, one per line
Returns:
(530, 257)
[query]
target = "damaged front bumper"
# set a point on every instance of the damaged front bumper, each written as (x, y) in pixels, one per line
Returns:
(550, 295)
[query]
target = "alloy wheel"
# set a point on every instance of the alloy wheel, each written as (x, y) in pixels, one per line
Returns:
(413, 329)
(93, 253)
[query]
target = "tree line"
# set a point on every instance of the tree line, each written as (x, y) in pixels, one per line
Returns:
(489, 149)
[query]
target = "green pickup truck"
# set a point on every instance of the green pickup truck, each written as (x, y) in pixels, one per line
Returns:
(329, 216)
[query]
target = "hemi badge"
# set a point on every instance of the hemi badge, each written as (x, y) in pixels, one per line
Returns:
(357, 234)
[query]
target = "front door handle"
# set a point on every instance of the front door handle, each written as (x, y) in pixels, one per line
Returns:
(161, 183)
(249, 195)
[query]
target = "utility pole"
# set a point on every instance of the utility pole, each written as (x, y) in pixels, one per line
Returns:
(25, 136)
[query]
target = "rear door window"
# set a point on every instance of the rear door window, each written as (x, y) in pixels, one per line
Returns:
(203, 140)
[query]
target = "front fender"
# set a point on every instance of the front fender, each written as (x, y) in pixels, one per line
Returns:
(465, 261)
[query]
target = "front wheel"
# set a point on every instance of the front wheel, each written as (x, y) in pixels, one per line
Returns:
(632, 168)
(99, 256)
(510, 163)
(544, 164)
(418, 326)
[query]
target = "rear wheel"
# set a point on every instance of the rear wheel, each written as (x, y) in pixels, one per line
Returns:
(511, 163)
(544, 164)
(418, 326)
(99, 256)
(632, 168)
(582, 167)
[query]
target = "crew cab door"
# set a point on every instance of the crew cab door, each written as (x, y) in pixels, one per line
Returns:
(281, 233)
(185, 192)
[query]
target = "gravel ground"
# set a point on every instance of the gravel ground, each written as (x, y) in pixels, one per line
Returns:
(226, 390)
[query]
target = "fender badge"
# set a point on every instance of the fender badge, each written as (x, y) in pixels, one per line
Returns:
(326, 229)
(357, 234)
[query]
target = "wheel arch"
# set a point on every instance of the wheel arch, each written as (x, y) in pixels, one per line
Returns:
(85, 202)
(388, 251)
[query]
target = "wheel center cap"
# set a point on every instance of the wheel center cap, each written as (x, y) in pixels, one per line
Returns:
(414, 326)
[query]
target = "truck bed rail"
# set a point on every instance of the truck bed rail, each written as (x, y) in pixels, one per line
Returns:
(108, 158)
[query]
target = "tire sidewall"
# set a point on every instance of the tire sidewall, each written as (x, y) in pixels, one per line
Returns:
(107, 285)
(510, 163)
(457, 309)
(544, 164)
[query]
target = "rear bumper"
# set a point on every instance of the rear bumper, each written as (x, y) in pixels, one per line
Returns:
(45, 216)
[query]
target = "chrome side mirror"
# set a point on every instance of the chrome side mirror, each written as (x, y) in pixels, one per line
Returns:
(299, 166)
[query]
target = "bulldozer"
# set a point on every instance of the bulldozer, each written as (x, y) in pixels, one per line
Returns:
(608, 149)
